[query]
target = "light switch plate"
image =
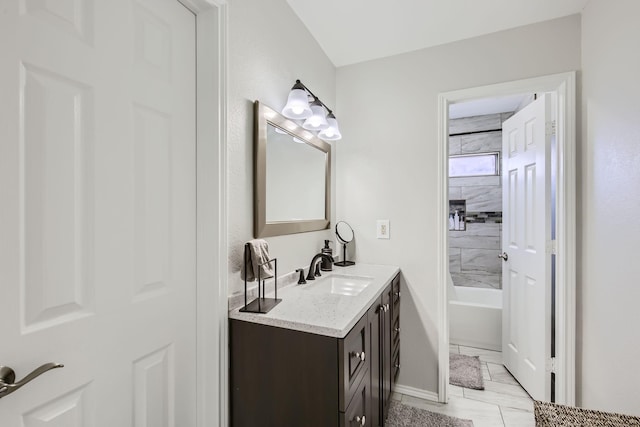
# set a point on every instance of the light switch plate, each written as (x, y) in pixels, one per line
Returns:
(382, 229)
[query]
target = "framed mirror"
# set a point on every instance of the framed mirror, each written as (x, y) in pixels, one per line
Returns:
(292, 176)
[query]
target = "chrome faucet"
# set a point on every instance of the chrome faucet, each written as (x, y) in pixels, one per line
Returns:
(314, 267)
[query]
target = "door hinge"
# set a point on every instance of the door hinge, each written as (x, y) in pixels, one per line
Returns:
(551, 128)
(552, 247)
(551, 365)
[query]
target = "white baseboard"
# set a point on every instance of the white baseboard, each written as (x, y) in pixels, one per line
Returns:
(476, 344)
(416, 392)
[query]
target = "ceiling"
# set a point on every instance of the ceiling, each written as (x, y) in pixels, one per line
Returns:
(483, 106)
(352, 31)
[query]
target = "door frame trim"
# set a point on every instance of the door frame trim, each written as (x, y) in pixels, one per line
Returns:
(211, 211)
(564, 87)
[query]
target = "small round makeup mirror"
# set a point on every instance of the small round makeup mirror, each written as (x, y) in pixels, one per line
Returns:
(344, 232)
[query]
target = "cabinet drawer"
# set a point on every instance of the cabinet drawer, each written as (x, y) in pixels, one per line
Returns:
(354, 360)
(395, 296)
(358, 412)
(395, 334)
(395, 366)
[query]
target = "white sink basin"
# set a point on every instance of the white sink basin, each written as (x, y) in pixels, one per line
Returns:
(339, 284)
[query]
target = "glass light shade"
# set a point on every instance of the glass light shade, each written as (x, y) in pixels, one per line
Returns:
(332, 133)
(318, 120)
(297, 105)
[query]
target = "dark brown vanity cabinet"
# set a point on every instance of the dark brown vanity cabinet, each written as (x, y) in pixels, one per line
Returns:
(281, 377)
(358, 413)
(385, 348)
(395, 330)
(353, 368)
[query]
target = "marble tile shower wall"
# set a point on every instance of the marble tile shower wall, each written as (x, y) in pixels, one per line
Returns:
(473, 253)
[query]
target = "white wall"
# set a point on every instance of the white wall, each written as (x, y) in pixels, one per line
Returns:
(387, 168)
(387, 163)
(609, 189)
(269, 48)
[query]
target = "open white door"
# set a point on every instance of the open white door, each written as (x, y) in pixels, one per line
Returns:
(98, 212)
(526, 232)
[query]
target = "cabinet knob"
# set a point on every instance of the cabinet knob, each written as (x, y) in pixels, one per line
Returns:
(397, 365)
(397, 294)
(362, 420)
(386, 307)
(359, 355)
(397, 329)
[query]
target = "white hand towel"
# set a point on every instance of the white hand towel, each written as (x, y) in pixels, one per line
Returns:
(258, 254)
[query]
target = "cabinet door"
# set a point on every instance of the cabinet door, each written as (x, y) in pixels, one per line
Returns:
(395, 330)
(395, 297)
(375, 322)
(386, 351)
(358, 412)
(395, 366)
(354, 360)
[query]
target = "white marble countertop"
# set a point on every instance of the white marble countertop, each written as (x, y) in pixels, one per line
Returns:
(315, 309)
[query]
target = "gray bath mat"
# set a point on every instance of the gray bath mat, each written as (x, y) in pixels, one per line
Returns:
(465, 371)
(552, 415)
(407, 416)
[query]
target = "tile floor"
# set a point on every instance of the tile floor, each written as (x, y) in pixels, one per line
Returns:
(503, 402)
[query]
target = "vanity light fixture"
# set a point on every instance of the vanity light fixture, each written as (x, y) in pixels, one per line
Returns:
(331, 133)
(297, 103)
(314, 116)
(318, 121)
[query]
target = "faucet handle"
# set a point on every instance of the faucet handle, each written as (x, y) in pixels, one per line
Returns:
(317, 272)
(301, 280)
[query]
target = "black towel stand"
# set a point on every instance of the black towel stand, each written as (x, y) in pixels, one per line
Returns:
(261, 304)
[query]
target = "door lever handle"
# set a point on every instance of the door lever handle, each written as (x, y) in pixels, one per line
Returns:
(8, 377)
(504, 256)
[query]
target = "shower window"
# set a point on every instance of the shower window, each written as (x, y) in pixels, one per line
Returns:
(484, 164)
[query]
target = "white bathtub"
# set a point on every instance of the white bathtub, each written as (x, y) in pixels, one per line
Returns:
(475, 317)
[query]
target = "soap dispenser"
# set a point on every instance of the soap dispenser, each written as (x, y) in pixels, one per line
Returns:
(326, 264)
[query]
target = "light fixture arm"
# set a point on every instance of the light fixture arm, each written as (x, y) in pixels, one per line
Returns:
(315, 98)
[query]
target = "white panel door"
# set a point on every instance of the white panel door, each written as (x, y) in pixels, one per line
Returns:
(97, 218)
(526, 274)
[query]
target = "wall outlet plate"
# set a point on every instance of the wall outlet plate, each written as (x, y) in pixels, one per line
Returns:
(382, 229)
